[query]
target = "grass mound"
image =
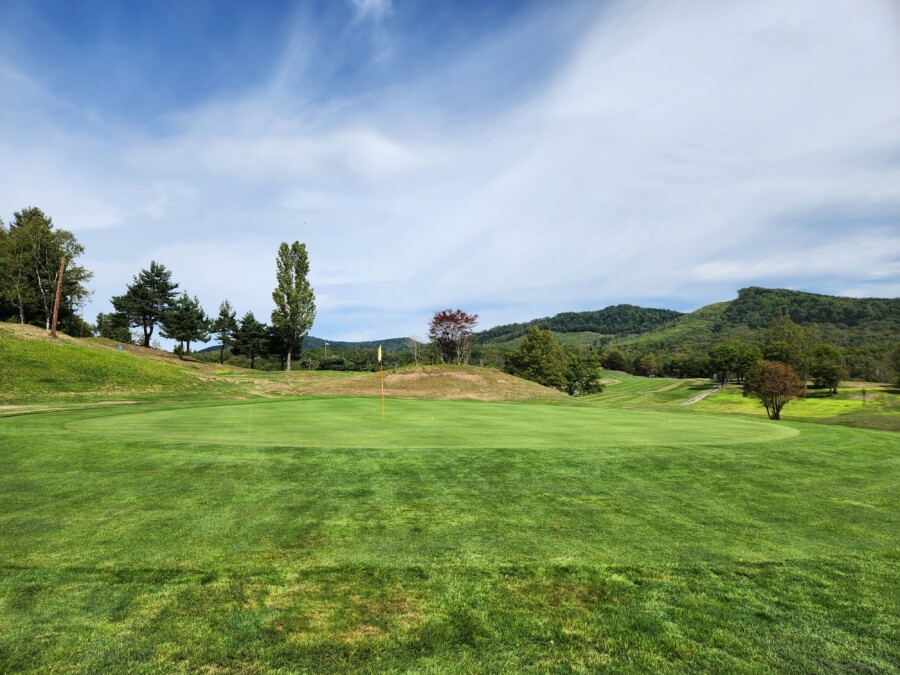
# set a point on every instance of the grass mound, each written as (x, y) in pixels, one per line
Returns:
(443, 383)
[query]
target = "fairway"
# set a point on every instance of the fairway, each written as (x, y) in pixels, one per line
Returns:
(357, 423)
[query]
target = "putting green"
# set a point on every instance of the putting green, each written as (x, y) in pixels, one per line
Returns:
(356, 422)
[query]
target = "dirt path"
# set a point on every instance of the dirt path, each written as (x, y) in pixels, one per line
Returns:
(701, 395)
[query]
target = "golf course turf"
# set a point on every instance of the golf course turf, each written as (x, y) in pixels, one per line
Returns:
(357, 422)
(307, 534)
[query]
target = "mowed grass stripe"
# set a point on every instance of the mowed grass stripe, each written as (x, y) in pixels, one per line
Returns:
(357, 422)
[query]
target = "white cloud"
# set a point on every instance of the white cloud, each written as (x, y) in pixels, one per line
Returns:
(657, 164)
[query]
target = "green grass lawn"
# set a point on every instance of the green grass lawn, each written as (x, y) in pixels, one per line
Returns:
(871, 406)
(357, 422)
(305, 534)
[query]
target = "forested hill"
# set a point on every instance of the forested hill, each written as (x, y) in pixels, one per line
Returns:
(755, 307)
(861, 327)
(613, 320)
(388, 345)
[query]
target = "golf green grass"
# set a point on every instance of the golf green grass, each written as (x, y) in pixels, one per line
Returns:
(357, 422)
(305, 535)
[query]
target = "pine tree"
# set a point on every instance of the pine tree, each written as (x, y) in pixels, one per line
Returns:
(225, 326)
(186, 322)
(147, 299)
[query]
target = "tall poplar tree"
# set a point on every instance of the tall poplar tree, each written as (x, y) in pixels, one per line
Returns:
(295, 306)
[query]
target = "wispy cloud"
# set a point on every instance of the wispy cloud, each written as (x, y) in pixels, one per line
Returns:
(372, 9)
(675, 153)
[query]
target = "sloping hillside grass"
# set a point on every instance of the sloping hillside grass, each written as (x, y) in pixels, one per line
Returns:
(35, 368)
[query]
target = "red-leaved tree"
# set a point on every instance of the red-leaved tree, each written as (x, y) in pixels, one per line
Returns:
(451, 333)
(774, 385)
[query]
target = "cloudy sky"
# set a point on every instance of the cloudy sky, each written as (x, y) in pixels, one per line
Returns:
(515, 159)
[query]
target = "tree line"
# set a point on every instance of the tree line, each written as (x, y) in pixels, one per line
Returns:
(150, 301)
(31, 247)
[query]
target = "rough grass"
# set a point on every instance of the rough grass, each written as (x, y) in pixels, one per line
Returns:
(35, 369)
(443, 382)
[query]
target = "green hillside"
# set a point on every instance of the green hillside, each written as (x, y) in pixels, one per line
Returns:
(617, 320)
(35, 368)
(388, 345)
(860, 326)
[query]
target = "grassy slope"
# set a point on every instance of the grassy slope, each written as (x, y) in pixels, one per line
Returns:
(37, 370)
(176, 553)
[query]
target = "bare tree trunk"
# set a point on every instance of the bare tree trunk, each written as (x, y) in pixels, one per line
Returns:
(59, 280)
(287, 363)
(37, 275)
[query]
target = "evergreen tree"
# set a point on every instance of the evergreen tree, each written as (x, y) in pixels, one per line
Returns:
(225, 326)
(827, 368)
(539, 358)
(295, 308)
(250, 338)
(186, 322)
(147, 299)
(113, 326)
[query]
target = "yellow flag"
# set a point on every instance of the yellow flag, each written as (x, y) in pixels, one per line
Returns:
(379, 353)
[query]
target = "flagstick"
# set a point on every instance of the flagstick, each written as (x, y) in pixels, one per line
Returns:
(381, 366)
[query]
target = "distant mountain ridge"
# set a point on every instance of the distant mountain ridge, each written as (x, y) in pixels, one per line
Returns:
(862, 325)
(613, 320)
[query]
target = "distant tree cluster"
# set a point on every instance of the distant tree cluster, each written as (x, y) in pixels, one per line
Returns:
(618, 320)
(758, 307)
(30, 251)
(540, 358)
(150, 301)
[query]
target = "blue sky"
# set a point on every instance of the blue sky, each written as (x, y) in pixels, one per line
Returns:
(514, 159)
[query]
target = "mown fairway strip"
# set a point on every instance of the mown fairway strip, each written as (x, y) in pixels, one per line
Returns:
(356, 422)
